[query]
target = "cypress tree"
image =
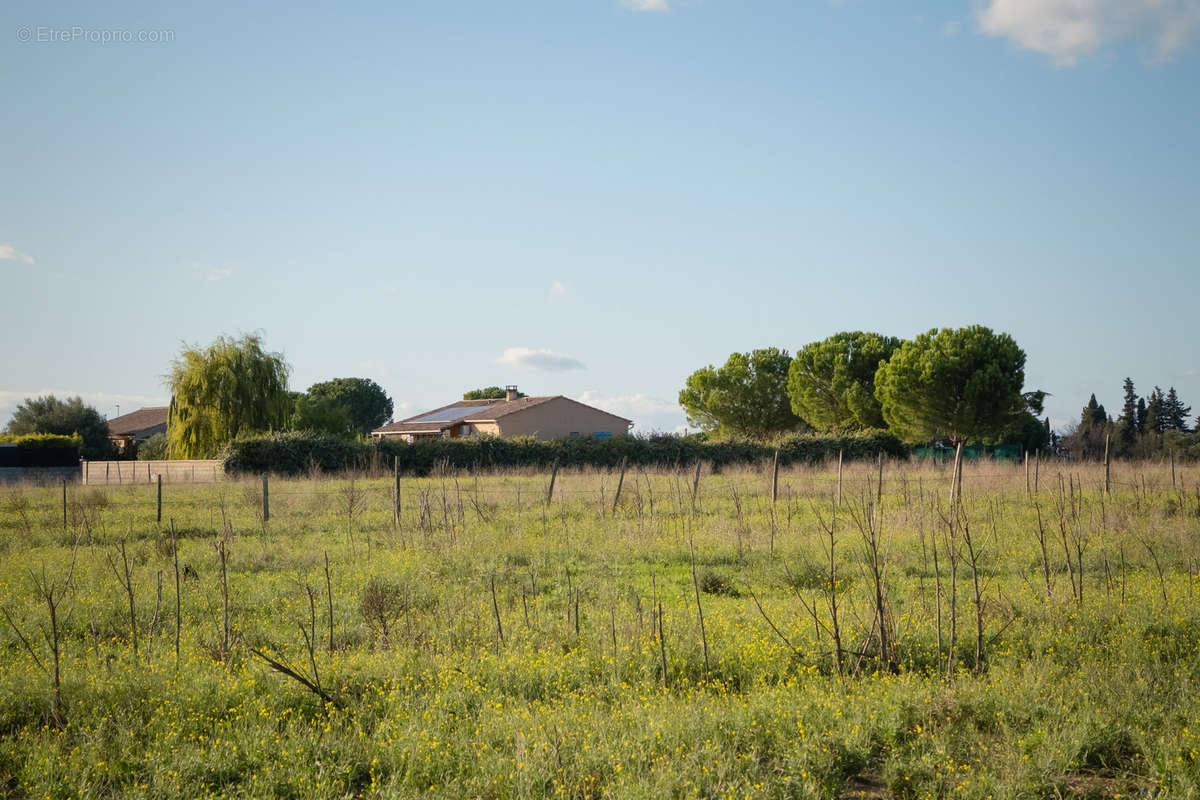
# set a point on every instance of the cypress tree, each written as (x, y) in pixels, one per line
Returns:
(1141, 416)
(1129, 415)
(1154, 412)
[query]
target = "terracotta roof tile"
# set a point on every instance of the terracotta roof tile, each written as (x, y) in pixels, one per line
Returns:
(138, 420)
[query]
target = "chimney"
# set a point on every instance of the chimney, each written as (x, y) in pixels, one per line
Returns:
(510, 392)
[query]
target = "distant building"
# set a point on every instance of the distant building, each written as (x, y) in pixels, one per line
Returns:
(552, 417)
(138, 426)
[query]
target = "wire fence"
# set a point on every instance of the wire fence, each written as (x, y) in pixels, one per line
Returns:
(147, 491)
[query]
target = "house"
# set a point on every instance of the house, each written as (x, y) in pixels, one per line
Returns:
(552, 417)
(138, 426)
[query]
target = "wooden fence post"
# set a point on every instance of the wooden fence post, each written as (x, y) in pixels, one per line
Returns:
(64, 503)
(396, 504)
(839, 476)
(620, 483)
(1028, 490)
(266, 500)
(553, 477)
(1037, 467)
(775, 477)
(1107, 464)
(158, 512)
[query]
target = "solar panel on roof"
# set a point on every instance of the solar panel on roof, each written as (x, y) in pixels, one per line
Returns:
(451, 414)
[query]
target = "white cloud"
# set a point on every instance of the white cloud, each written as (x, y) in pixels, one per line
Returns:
(559, 293)
(543, 359)
(104, 402)
(10, 253)
(1067, 30)
(218, 273)
(646, 5)
(950, 29)
(648, 413)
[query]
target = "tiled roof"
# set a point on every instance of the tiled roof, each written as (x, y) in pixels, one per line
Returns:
(138, 420)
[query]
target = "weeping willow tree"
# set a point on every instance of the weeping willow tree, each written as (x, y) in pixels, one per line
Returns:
(231, 387)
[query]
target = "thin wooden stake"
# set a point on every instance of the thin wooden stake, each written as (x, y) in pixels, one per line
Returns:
(699, 607)
(775, 477)
(620, 483)
(553, 476)
(158, 512)
(178, 609)
(496, 611)
(266, 500)
(396, 504)
(1107, 463)
(64, 503)
(839, 476)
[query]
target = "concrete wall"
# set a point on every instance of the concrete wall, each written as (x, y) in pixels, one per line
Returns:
(101, 473)
(561, 417)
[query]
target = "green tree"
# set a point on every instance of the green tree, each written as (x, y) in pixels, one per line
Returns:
(488, 393)
(957, 384)
(152, 448)
(1174, 413)
(1093, 414)
(1127, 423)
(745, 397)
(323, 414)
(231, 387)
(831, 383)
(48, 414)
(364, 399)
(1154, 412)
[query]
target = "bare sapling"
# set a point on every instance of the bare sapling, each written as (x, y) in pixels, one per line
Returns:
(866, 518)
(283, 667)
(51, 592)
(974, 554)
(831, 581)
(124, 577)
(1045, 552)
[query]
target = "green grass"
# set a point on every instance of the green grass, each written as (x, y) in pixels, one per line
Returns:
(1091, 697)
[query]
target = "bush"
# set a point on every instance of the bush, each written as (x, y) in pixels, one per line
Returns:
(298, 452)
(153, 448)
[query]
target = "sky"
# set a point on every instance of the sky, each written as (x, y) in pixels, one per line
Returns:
(594, 197)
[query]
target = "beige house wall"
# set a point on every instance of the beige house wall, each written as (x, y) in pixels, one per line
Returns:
(558, 418)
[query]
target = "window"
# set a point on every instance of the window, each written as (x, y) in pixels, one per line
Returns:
(602, 435)
(464, 430)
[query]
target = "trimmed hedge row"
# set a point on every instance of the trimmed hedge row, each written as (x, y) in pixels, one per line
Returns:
(39, 450)
(296, 453)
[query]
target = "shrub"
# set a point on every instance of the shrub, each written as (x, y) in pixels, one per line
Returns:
(297, 452)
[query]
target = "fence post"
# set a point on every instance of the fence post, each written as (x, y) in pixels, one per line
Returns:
(839, 476)
(620, 483)
(1037, 467)
(85, 472)
(396, 504)
(266, 500)
(775, 477)
(64, 504)
(158, 513)
(553, 476)
(1107, 439)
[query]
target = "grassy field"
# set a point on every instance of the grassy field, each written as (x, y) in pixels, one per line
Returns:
(675, 643)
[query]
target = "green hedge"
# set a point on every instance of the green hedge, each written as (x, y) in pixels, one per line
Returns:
(39, 450)
(296, 453)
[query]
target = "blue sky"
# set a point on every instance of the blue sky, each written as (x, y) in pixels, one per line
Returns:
(595, 197)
